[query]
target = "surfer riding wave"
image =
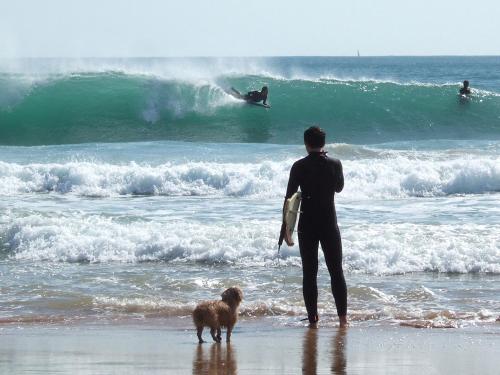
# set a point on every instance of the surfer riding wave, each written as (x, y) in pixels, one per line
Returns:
(252, 96)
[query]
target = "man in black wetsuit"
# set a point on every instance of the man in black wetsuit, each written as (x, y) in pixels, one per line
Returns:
(257, 96)
(319, 178)
(465, 90)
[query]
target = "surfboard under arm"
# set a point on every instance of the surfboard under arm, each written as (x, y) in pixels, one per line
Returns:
(291, 212)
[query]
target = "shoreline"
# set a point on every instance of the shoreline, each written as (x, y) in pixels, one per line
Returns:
(258, 347)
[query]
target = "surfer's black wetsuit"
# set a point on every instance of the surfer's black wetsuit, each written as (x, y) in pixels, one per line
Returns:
(464, 91)
(319, 178)
(255, 96)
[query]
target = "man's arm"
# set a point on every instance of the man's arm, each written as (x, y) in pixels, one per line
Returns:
(339, 177)
(293, 183)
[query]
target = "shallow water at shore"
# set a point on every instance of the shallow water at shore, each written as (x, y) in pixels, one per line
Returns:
(81, 292)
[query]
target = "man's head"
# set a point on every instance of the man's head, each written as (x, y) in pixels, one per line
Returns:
(466, 83)
(314, 138)
(264, 90)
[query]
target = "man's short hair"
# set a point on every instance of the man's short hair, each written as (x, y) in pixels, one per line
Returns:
(314, 137)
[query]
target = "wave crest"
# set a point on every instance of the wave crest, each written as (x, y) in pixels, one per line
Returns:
(381, 175)
(375, 248)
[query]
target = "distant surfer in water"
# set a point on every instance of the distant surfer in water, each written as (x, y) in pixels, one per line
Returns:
(465, 90)
(319, 178)
(253, 96)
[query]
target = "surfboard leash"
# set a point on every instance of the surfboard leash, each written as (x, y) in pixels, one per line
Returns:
(279, 270)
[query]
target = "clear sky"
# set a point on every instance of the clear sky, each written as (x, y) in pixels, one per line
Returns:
(122, 28)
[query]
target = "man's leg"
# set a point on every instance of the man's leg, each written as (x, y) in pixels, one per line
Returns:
(331, 244)
(309, 253)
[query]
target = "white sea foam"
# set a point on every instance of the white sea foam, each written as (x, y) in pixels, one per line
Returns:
(85, 178)
(396, 175)
(405, 247)
(403, 177)
(99, 239)
(371, 248)
(287, 309)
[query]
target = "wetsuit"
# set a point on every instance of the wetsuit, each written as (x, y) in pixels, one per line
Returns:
(256, 96)
(464, 91)
(319, 177)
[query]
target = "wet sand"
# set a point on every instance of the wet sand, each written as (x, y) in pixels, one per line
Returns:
(257, 348)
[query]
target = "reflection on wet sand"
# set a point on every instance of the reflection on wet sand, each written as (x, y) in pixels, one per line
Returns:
(310, 352)
(339, 362)
(214, 359)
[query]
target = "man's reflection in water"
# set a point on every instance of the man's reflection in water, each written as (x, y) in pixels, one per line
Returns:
(310, 352)
(339, 362)
(215, 359)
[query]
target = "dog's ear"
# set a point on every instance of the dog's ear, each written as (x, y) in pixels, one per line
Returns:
(238, 294)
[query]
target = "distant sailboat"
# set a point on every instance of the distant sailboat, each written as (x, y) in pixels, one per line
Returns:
(358, 53)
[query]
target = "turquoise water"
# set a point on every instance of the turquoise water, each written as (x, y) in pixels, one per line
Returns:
(119, 101)
(132, 188)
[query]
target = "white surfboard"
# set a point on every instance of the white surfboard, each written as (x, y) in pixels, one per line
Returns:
(292, 211)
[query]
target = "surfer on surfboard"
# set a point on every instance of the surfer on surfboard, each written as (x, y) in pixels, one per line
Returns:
(253, 97)
(465, 90)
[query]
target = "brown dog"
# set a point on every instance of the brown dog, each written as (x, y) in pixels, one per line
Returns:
(217, 314)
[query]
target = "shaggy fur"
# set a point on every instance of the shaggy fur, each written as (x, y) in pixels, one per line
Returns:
(217, 314)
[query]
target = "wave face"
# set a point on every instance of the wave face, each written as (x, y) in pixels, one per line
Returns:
(101, 105)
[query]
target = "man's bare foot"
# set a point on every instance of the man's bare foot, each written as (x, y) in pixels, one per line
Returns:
(343, 321)
(313, 321)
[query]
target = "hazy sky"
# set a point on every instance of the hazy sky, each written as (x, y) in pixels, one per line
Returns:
(98, 28)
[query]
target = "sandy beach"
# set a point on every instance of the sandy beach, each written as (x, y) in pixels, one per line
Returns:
(258, 347)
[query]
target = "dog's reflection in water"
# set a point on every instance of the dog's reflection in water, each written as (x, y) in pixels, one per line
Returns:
(215, 359)
(310, 352)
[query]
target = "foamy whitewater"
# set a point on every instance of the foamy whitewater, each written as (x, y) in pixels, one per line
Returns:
(130, 189)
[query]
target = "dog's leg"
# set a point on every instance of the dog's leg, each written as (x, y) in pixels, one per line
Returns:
(219, 334)
(228, 333)
(199, 331)
(212, 332)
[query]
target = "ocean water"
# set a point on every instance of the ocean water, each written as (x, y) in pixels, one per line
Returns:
(132, 188)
